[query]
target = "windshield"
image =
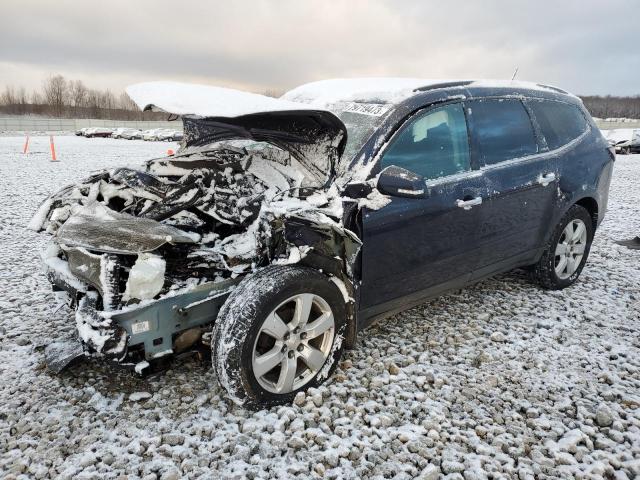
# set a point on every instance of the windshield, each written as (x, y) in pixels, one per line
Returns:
(361, 120)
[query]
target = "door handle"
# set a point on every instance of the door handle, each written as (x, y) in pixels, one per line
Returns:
(467, 204)
(546, 179)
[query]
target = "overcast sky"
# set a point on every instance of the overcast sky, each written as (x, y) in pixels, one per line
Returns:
(587, 46)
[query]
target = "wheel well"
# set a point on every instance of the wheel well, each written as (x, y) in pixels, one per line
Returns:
(329, 268)
(591, 206)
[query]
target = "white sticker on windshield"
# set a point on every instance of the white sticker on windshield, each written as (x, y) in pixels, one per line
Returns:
(375, 109)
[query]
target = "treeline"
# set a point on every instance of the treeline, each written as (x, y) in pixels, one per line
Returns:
(62, 98)
(607, 107)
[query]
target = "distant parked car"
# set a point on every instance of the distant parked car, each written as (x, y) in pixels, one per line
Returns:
(151, 135)
(132, 134)
(98, 132)
(170, 135)
(127, 133)
(80, 132)
(116, 132)
(624, 140)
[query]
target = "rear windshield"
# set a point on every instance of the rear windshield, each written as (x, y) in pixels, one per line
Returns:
(560, 123)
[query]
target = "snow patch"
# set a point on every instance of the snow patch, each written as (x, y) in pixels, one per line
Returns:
(206, 100)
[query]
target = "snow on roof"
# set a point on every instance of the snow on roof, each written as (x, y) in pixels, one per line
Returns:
(384, 90)
(517, 84)
(205, 101)
(208, 101)
(374, 90)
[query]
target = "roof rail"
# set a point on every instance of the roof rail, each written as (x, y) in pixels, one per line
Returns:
(555, 89)
(435, 86)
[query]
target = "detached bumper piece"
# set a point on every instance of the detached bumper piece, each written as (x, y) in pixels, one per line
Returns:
(60, 355)
(633, 244)
(101, 335)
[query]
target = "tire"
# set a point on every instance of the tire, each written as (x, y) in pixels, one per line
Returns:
(242, 335)
(548, 272)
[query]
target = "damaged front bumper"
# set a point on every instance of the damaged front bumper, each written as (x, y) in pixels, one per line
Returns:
(138, 333)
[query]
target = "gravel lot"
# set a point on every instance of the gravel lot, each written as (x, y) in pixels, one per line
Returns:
(501, 380)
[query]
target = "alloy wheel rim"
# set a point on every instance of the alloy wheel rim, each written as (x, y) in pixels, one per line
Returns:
(293, 343)
(570, 248)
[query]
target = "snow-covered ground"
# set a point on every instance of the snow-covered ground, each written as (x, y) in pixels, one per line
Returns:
(501, 380)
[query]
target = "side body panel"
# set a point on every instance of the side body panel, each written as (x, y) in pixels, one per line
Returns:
(585, 172)
(515, 213)
(582, 172)
(413, 245)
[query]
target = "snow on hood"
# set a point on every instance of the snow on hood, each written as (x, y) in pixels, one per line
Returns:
(205, 101)
(314, 137)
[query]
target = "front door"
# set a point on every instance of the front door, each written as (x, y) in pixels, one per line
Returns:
(522, 184)
(414, 245)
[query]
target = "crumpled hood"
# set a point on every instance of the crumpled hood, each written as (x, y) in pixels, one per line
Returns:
(98, 228)
(315, 137)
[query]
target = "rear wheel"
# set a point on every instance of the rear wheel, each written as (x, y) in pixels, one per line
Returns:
(279, 332)
(567, 250)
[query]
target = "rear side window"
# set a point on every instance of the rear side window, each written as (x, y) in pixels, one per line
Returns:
(503, 130)
(559, 122)
(433, 144)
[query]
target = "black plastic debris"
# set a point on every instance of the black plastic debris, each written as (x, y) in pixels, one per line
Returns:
(633, 244)
(60, 355)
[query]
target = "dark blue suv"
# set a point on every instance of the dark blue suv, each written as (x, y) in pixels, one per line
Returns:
(288, 225)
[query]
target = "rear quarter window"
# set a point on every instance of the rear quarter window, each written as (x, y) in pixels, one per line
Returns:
(559, 122)
(502, 130)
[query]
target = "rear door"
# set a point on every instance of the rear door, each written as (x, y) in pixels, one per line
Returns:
(413, 245)
(521, 181)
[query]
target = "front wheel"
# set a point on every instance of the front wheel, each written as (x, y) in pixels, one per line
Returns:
(567, 250)
(279, 332)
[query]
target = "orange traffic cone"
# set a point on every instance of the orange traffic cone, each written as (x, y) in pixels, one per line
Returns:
(53, 149)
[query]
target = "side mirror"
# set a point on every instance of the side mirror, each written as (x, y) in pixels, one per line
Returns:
(399, 182)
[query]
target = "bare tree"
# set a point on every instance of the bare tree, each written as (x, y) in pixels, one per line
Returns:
(93, 103)
(8, 97)
(22, 102)
(78, 93)
(606, 107)
(55, 92)
(129, 107)
(36, 98)
(126, 103)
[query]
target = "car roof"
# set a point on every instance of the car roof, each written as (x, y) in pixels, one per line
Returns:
(389, 90)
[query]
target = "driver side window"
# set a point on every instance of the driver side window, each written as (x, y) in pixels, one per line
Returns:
(433, 144)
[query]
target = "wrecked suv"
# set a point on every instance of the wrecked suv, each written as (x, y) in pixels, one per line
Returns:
(283, 227)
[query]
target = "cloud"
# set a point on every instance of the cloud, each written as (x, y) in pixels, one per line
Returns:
(586, 46)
